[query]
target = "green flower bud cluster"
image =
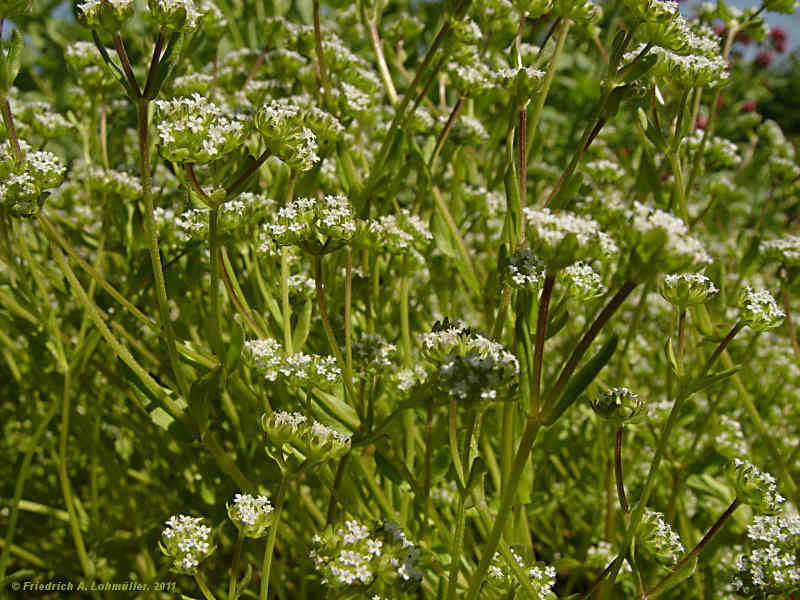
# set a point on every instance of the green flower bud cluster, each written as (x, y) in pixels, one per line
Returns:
(192, 83)
(282, 128)
(785, 250)
(186, 541)
(755, 488)
(782, 6)
(252, 516)
(372, 354)
(773, 139)
(175, 15)
(233, 216)
(759, 310)
(502, 582)
(352, 556)
(604, 171)
(466, 31)
(656, 537)
(689, 71)
(474, 378)
(23, 184)
(653, 10)
(107, 15)
(308, 220)
(688, 289)
(582, 12)
(522, 82)
(524, 271)
(310, 442)
(619, 405)
(120, 183)
(770, 569)
(38, 118)
(719, 153)
(472, 78)
(402, 27)
(563, 238)
(533, 9)
(783, 170)
(581, 282)
(661, 243)
(14, 8)
(192, 129)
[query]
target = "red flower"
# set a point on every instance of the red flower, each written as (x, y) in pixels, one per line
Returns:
(778, 37)
(748, 106)
(764, 59)
(701, 122)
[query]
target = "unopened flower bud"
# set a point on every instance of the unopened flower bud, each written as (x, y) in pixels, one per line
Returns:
(688, 289)
(619, 405)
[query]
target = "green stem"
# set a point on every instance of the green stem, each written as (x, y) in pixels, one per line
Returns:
(538, 352)
(207, 593)
(152, 242)
(286, 307)
(541, 96)
(405, 325)
(214, 251)
(8, 121)
(654, 591)
(273, 534)
(677, 174)
(22, 476)
(348, 306)
(454, 231)
(446, 131)
(506, 502)
(623, 502)
(383, 69)
(458, 542)
(126, 66)
(323, 68)
(63, 476)
(237, 553)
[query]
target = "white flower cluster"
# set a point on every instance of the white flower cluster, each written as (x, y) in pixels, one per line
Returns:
(315, 441)
(175, 15)
(106, 14)
(81, 54)
(298, 370)
(663, 241)
(502, 580)
(720, 153)
(282, 127)
(305, 218)
(785, 250)
(192, 129)
(771, 566)
(354, 556)
(658, 538)
(604, 171)
(115, 182)
(688, 70)
(755, 488)
(471, 78)
(454, 339)
(759, 310)
(252, 516)
(524, 271)
(581, 281)
(688, 289)
(22, 184)
(564, 238)
(187, 541)
(400, 232)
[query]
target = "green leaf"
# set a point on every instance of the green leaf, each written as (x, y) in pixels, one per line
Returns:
(581, 380)
(642, 66)
(387, 467)
(202, 394)
(441, 236)
(13, 58)
(669, 352)
(709, 380)
(302, 326)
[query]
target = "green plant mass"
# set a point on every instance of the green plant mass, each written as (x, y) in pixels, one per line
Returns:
(389, 299)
